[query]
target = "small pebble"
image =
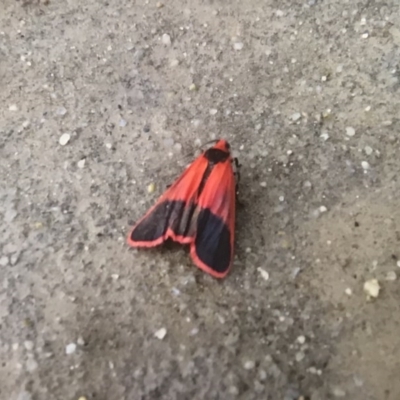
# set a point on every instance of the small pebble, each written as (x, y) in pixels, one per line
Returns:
(151, 187)
(24, 395)
(372, 288)
(166, 39)
(28, 344)
(295, 117)
(26, 124)
(61, 111)
(174, 63)
(4, 261)
(324, 136)
(365, 35)
(64, 139)
(323, 209)
(368, 108)
(13, 107)
(248, 365)
(122, 123)
(391, 276)
(337, 392)
(264, 274)
(300, 356)
(109, 145)
(301, 339)
(350, 131)
(279, 13)
(159, 5)
(192, 87)
(348, 291)
(160, 334)
(365, 165)
(70, 348)
(238, 46)
(80, 341)
(368, 150)
(213, 111)
(31, 365)
(115, 277)
(398, 263)
(263, 184)
(81, 163)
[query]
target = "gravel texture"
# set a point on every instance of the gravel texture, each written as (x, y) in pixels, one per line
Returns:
(102, 105)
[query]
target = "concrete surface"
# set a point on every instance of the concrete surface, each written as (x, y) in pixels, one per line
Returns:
(307, 92)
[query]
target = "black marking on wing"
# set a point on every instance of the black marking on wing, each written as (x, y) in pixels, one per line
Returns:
(180, 216)
(213, 241)
(213, 156)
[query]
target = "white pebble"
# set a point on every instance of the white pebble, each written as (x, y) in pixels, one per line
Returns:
(122, 123)
(368, 108)
(365, 165)
(213, 111)
(24, 395)
(26, 124)
(81, 163)
(337, 392)
(279, 13)
(160, 334)
(281, 198)
(301, 339)
(64, 139)
(371, 288)
(166, 39)
(300, 356)
(115, 277)
(263, 184)
(4, 261)
(13, 107)
(398, 263)
(324, 136)
(350, 131)
(238, 46)
(70, 348)
(249, 365)
(323, 209)
(365, 35)
(264, 274)
(295, 117)
(391, 276)
(368, 150)
(174, 63)
(348, 291)
(28, 345)
(31, 365)
(61, 111)
(109, 145)
(80, 341)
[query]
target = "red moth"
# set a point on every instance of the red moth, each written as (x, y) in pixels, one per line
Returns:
(198, 210)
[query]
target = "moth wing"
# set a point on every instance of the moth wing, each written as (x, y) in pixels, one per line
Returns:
(175, 212)
(213, 247)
